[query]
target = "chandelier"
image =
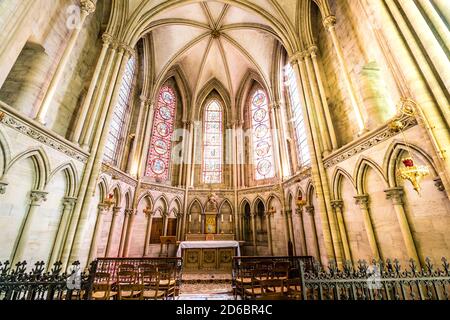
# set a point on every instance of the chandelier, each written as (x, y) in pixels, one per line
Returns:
(410, 170)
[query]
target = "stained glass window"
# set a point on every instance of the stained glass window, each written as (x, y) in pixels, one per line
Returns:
(212, 143)
(161, 141)
(118, 120)
(262, 137)
(298, 118)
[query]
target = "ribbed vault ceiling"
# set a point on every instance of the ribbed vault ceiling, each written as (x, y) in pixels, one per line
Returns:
(213, 40)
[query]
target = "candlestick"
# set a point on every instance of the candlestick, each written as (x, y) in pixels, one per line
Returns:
(200, 218)
(221, 218)
(231, 218)
(190, 218)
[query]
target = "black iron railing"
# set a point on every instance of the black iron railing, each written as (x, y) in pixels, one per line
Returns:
(377, 281)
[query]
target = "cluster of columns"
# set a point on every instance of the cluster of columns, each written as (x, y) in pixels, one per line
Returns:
(308, 249)
(396, 195)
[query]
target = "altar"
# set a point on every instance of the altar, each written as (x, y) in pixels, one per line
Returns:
(208, 255)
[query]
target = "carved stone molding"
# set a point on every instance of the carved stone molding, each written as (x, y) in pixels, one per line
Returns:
(163, 189)
(103, 208)
(37, 197)
(116, 210)
(437, 182)
(107, 38)
(42, 137)
(337, 204)
(3, 186)
(119, 175)
(259, 190)
(87, 6)
(329, 21)
(370, 141)
(69, 202)
(363, 201)
(396, 195)
(310, 210)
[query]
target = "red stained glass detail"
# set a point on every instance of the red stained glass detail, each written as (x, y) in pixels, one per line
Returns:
(158, 161)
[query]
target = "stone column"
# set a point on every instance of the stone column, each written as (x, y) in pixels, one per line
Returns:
(148, 215)
(55, 255)
(363, 202)
(430, 43)
(318, 110)
(337, 205)
(311, 212)
(103, 209)
(83, 112)
(94, 164)
(126, 215)
(36, 199)
(132, 157)
(299, 212)
(3, 186)
(276, 141)
(313, 51)
(87, 7)
(269, 230)
(255, 249)
(280, 132)
(396, 195)
(112, 229)
(91, 121)
(183, 155)
(289, 229)
(126, 246)
(329, 23)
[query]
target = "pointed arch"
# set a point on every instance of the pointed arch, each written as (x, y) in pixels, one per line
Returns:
(392, 158)
(310, 193)
(255, 203)
(362, 165)
(146, 196)
(300, 192)
(336, 182)
(213, 85)
(243, 93)
(70, 173)
(242, 204)
(196, 201)
(273, 197)
(103, 188)
(40, 162)
(128, 199)
(226, 202)
(175, 203)
(161, 203)
(116, 190)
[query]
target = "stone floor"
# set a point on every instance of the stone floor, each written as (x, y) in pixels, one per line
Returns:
(206, 286)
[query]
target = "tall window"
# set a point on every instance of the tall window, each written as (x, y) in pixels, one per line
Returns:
(298, 118)
(161, 142)
(262, 137)
(118, 120)
(212, 143)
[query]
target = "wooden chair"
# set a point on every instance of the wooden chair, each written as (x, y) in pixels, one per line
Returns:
(294, 289)
(272, 289)
(167, 280)
(244, 278)
(150, 283)
(128, 286)
(101, 288)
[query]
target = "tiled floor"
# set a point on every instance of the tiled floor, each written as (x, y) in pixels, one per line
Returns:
(206, 286)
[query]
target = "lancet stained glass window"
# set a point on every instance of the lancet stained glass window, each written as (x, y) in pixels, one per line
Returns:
(161, 142)
(212, 143)
(298, 118)
(262, 137)
(118, 120)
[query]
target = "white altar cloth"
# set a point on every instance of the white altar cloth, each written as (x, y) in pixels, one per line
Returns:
(208, 245)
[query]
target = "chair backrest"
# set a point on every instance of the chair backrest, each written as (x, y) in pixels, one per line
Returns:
(126, 267)
(126, 277)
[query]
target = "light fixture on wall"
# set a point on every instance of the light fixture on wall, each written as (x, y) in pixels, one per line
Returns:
(300, 202)
(2, 115)
(410, 170)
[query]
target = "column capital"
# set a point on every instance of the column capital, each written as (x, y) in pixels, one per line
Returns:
(37, 197)
(87, 6)
(69, 202)
(296, 57)
(3, 186)
(148, 213)
(116, 210)
(396, 194)
(437, 183)
(275, 105)
(126, 48)
(144, 99)
(107, 38)
(103, 208)
(363, 201)
(310, 210)
(329, 21)
(337, 204)
(312, 50)
(130, 212)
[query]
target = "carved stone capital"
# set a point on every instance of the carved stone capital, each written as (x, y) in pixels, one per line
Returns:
(310, 210)
(437, 182)
(37, 197)
(363, 201)
(3, 187)
(299, 211)
(103, 208)
(143, 98)
(69, 202)
(87, 6)
(107, 38)
(148, 213)
(313, 51)
(337, 204)
(126, 48)
(294, 59)
(396, 194)
(116, 210)
(329, 22)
